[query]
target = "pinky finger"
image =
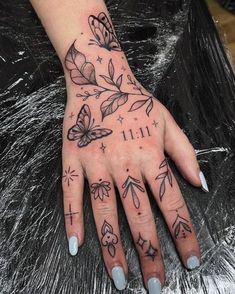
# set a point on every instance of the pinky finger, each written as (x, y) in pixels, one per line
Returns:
(73, 183)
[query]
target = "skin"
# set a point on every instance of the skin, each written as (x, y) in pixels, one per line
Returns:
(67, 21)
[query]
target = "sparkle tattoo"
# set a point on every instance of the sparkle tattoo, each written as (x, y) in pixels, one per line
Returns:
(70, 214)
(141, 242)
(99, 190)
(109, 239)
(151, 252)
(163, 177)
(69, 175)
(130, 186)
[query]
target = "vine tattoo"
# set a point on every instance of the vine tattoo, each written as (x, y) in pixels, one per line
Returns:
(130, 186)
(84, 130)
(151, 251)
(99, 190)
(166, 175)
(103, 32)
(70, 214)
(82, 72)
(69, 175)
(109, 239)
(180, 226)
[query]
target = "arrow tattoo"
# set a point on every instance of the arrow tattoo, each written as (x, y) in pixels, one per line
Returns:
(130, 185)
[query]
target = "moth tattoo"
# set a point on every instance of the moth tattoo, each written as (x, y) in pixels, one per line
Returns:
(103, 32)
(84, 131)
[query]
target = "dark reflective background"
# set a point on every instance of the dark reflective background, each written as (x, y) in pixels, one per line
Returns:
(175, 52)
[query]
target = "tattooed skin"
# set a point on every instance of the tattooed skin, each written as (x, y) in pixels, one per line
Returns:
(99, 190)
(180, 226)
(69, 175)
(166, 175)
(143, 244)
(137, 134)
(130, 186)
(70, 214)
(109, 239)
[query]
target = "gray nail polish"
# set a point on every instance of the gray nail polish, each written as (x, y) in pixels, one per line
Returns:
(154, 286)
(203, 182)
(73, 245)
(193, 262)
(118, 277)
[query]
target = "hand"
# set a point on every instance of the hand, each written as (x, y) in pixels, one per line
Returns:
(115, 134)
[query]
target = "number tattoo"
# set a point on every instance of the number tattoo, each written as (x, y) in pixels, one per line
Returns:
(109, 239)
(141, 133)
(130, 185)
(103, 32)
(70, 214)
(163, 176)
(99, 190)
(151, 251)
(180, 226)
(69, 175)
(84, 130)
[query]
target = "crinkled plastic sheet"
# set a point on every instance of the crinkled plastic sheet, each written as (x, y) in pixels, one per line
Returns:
(174, 49)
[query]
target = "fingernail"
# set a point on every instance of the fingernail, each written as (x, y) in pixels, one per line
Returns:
(73, 245)
(154, 286)
(118, 277)
(203, 182)
(193, 262)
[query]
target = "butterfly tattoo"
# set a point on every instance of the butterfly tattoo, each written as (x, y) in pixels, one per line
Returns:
(84, 131)
(103, 32)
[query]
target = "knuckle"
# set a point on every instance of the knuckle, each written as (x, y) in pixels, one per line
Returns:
(174, 203)
(142, 219)
(104, 208)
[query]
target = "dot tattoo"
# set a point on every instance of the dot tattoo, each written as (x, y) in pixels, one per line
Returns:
(109, 239)
(130, 186)
(69, 175)
(166, 175)
(99, 190)
(70, 214)
(141, 242)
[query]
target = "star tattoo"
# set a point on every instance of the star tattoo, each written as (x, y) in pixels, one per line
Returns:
(70, 214)
(123, 68)
(99, 59)
(102, 147)
(155, 123)
(141, 242)
(69, 175)
(120, 119)
(151, 252)
(71, 115)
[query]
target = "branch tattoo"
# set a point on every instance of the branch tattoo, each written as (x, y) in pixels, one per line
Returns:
(130, 186)
(166, 175)
(180, 226)
(109, 239)
(99, 190)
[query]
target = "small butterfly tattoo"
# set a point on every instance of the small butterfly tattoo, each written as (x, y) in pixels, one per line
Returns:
(84, 130)
(103, 32)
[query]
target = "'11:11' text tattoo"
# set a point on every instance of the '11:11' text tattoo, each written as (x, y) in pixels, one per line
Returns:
(132, 135)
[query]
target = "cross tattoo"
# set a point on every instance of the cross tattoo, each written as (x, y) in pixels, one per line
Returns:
(70, 214)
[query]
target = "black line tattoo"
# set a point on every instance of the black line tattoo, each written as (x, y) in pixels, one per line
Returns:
(109, 239)
(99, 190)
(155, 123)
(140, 103)
(120, 119)
(69, 175)
(141, 242)
(180, 226)
(84, 130)
(103, 32)
(163, 176)
(151, 252)
(138, 134)
(130, 185)
(70, 214)
(102, 147)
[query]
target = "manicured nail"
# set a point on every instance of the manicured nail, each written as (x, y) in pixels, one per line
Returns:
(73, 245)
(193, 262)
(118, 277)
(203, 182)
(154, 286)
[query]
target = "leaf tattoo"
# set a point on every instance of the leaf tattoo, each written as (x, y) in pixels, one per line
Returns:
(140, 103)
(130, 185)
(109, 239)
(110, 105)
(180, 226)
(163, 176)
(81, 71)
